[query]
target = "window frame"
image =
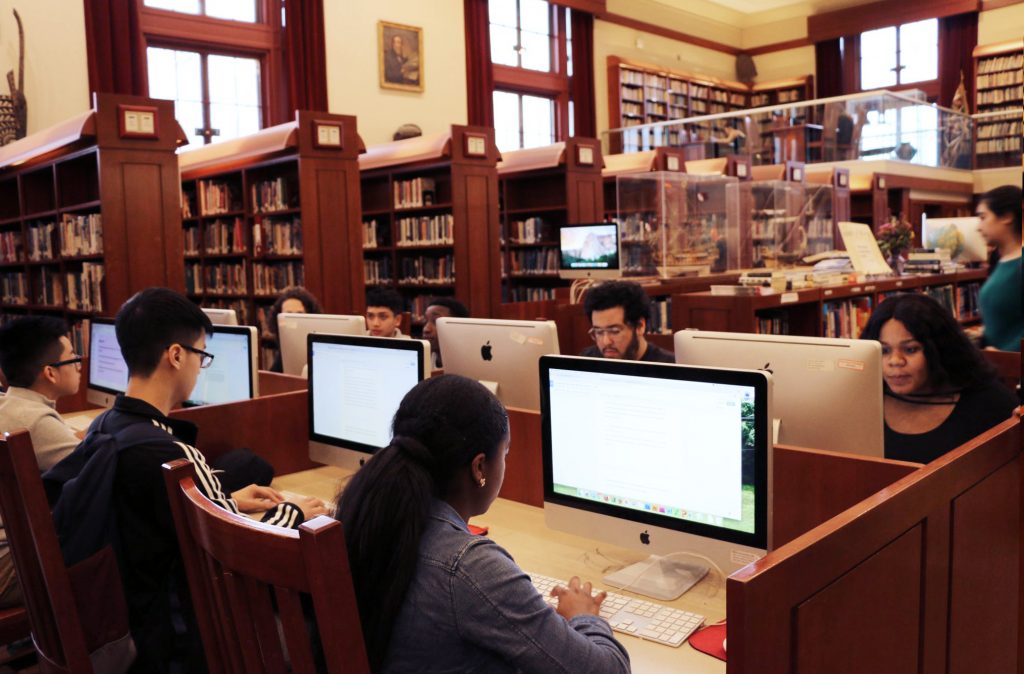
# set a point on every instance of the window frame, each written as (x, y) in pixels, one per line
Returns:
(167, 29)
(929, 87)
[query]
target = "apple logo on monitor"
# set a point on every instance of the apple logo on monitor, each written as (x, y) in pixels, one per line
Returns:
(485, 351)
(767, 368)
(645, 538)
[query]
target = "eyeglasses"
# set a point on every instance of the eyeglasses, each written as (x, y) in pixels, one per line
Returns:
(613, 332)
(76, 361)
(206, 358)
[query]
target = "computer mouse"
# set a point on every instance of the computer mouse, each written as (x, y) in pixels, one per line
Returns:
(723, 644)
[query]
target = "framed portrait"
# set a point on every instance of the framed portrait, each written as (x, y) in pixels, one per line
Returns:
(400, 52)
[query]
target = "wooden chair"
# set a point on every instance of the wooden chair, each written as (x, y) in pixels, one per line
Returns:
(1008, 367)
(246, 576)
(56, 628)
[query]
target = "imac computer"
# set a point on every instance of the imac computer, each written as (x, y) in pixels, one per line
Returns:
(232, 376)
(222, 316)
(501, 355)
(960, 236)
(828, 392)
(671, 460)
(588, 252)
(108, 373)
(293, 328)
(355, 386)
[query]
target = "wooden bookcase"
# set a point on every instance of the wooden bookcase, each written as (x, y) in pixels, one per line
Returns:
(998, 86)
(278, 208)
(431, 218)
(89, 211)
(542, 188)
(811, 312)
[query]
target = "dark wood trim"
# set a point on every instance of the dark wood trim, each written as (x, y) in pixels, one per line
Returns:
(529, 81)
(987, 5)
(593, 6)
(780, 46)
(858, 19)
(219, 34)
(636, 24)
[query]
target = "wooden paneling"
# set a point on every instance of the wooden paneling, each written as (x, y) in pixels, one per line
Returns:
(524, 467)
(272, 383)
(860, 18)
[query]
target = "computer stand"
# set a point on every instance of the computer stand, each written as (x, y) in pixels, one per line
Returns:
(657, 577)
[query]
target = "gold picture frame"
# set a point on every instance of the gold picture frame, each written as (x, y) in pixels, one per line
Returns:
(400, 56)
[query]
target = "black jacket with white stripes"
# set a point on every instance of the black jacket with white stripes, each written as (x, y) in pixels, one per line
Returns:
(150, 558)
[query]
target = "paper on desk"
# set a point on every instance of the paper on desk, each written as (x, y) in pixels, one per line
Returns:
(862, 248)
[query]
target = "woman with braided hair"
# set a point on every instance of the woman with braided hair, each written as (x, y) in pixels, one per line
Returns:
(432, 596)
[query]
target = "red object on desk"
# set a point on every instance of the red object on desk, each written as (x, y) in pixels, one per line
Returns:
(477, 531)
(709, 640)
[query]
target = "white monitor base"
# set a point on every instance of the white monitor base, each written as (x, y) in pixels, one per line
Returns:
(657, 577)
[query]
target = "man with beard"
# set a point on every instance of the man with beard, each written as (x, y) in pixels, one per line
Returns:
(618, 313)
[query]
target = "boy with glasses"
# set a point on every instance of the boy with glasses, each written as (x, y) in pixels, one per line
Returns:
(618, 313)
(40, 366)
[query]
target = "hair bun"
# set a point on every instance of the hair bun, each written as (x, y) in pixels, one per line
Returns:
(414, 450)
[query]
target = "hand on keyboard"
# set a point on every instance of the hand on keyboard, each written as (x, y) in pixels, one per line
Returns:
(577, 599)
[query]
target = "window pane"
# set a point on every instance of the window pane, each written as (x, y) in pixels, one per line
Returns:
(186, 6)
(919, 51)
(919, 126)
(190, 116)
(506, 120)
(878, 58)
(234, 95)
(535, 16)
(572, 119)
(538, 121)
(502, 13)
(503, 46)
(237, 10)
(536, 51)
(177, 76)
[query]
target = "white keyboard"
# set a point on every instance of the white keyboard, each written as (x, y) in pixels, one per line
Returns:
(637, 617)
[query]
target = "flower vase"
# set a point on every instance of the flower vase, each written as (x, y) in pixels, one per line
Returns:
(897, 263)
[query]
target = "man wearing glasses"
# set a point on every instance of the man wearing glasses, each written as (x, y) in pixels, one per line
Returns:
(40, 366)
(618, 313)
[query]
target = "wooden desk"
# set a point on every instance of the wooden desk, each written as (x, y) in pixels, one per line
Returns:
(520, 529)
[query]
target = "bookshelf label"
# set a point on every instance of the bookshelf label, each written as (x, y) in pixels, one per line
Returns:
(327, 135)
(584, 155)
(788, 298)
(476, 145)
(137, 121)
(741, 170)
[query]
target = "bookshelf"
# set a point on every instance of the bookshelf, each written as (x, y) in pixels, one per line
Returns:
(430, 222)
(89, 212)
(777, 92)
(541, 189)
(999, 86)
(834, 311)
(278, 208)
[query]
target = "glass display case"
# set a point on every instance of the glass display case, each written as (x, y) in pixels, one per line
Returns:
(820, 218)
(774, 229)
(676, 224)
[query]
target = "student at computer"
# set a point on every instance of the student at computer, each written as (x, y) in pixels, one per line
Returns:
(432, 596)
(294, 300)
(440, 307)
(1002, 313)
(41, 367)
(939, 390)
(384, 313)
(618, 313)
(162, 336)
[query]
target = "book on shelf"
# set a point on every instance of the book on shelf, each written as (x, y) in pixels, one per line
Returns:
(371, 238)
(225, 238)
(414, 193)
(85, 288)
(216, 198)
(660, 319)
(272, 278)
(277, 236)
(12, 247)
(41, 242)
(14, 287)
(48, 287)
(377, 270)
(847, 318)
(968, 308)
(191, 240)
(531, 230)
(999, 63)
(187, 209)
(193, 278)
(81, 235)
(78, 333)
(427, 269)
(426, 230)
(772, 324)
(945, 295)
(224, 278)
(535, 261)
(270, 195)
(530, 294)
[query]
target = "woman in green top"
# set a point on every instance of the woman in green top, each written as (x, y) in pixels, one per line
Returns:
(1002, 296)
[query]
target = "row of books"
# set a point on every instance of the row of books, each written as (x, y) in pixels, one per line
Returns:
(426, 230)
(277, 236)
(377, 271)
(14, 287)
(530, 294)
(81, 234)
(996, 145)
(992, 129)
(846, 319)
(1001, 79)
(187, 210)
(78, 333)
(790, 95)
(772, 324)
(414, 193)
(47, 287)
(272, 279)
(631, 108)
(760, 100)
(967, 301)
(85, 288)
(427, 269)
(531, 230)
(1010, 62)
(193, 278)
(534, 261)
(945, 295)
(11, 247)
(224, 278)
(372, 234)
(997, 96)
(191, 238)
(216, 198)
(223, 237)
(270, 195)
(633, 77)
(42, 244)
(660, 322)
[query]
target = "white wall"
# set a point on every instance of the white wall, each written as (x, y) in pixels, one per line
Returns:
(56, 70)
(1000, 25)
(780, 65)
(352, 65)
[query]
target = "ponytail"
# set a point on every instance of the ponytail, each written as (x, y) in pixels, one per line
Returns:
(440, 425)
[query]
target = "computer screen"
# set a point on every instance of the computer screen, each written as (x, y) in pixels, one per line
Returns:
(293, 328)
(827, 391)
(221, 316)
(589, 251)
(659, 457)
(108, 373)
(233, 374)
(500, 354)
(355, 386)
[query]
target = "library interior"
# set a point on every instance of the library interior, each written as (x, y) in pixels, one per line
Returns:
(726, 296)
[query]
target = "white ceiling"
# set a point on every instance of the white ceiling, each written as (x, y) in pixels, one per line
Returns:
(808, 7)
